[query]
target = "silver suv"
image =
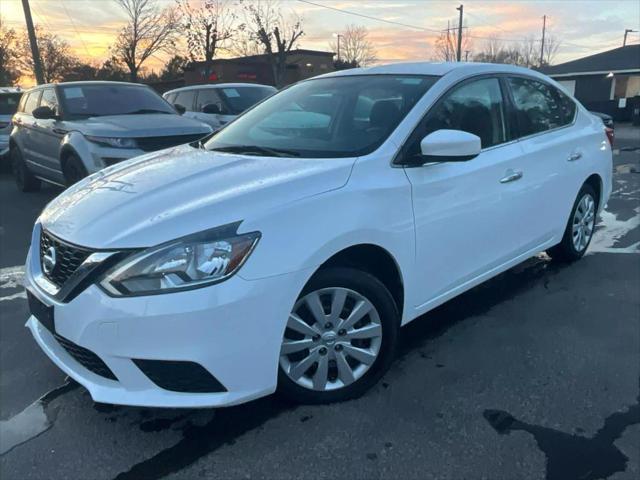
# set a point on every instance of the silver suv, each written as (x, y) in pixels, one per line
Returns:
(66, 131)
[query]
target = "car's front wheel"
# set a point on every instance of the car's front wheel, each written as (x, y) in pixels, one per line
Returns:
(340, 337)
(25, 180)
(580, 228)
(74, 170)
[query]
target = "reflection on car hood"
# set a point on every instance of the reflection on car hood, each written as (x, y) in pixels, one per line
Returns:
(142, 125)
(168, 194)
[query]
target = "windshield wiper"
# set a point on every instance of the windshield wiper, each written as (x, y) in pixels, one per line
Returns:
(146, 110)
(257, 150)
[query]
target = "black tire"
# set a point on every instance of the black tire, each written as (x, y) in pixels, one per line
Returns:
(566, 251)
(25, 180)
(73, 169)
(373, 290)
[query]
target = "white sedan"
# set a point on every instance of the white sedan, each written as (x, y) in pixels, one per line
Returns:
(286, 252)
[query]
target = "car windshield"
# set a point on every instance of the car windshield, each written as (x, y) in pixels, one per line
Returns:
(326, 117)
(9, 103)
(238, 99)
(95, 100)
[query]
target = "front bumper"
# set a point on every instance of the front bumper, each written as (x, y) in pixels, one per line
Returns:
(233, 330)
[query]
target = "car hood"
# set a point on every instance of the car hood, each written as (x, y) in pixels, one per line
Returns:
(168, 194)
(143, 125)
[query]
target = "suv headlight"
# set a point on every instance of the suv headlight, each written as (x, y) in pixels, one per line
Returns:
(113, 142)
(190, 262)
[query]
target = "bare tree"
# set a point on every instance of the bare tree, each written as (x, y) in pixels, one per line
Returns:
(57, 60)
(173, 69)
(354, 48)
(525, 53)
(446, 45)
(277, 34)
(149, 31)
(9, 56)
(208, 28)
(551, 47)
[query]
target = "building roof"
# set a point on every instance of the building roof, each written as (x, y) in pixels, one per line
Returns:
(619, 60)
(261, 57)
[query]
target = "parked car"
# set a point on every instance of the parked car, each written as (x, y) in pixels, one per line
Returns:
(218, 104)
(287, 250)
(9, 99)
(64, 132)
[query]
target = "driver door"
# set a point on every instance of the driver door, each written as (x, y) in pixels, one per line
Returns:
(467, 211)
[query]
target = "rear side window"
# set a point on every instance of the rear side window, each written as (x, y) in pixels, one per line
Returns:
(186, 99)
(49, 99)
(538, 106)
(31, 103)
(475, 107)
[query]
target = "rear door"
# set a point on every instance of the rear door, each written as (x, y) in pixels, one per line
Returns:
(466, 213)
(552, 153)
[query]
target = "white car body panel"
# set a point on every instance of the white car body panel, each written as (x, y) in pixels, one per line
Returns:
(448, 227)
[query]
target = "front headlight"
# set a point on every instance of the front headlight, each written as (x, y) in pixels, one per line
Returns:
(194, 261)
(113, 142)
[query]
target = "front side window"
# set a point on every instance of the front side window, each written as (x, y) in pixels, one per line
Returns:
(9, 103)
(49, 99)
(97, 100)
(208, 96)
(537, 104)
(185, 99)
(239, 99)
(326, 117)
(31, 103)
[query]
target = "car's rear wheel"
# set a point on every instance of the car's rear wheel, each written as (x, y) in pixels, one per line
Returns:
(25, 180)
(74, 169)
(340, 337)
(580, 228)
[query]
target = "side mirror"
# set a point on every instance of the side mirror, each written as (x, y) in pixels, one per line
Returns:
(44, 113)
(450, 146)
(211, 108)
(179, 108)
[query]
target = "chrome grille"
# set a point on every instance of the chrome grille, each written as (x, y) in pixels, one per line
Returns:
(68, 258)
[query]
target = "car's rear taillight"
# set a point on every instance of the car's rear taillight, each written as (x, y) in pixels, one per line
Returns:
(610, 135)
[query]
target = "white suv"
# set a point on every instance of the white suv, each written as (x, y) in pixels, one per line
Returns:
(9, 99)
(217, 104)
(288, 250)
(64, 132)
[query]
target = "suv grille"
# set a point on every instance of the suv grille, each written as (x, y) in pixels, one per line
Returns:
(68, 258)
(86, 358)
(150, 144)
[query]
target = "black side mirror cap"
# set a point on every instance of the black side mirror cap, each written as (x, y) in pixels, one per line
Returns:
(179, 108)
(211, 108)
(44, 113)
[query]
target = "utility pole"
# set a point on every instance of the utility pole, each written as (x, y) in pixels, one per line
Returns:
(459, 53)
(37, 64)
(466, 55)
(338, 35)
(627, 31)
(544, 28)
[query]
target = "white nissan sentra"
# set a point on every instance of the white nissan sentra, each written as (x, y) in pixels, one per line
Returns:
(286, 251)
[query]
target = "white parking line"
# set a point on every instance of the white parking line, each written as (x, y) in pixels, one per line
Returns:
(12, 277)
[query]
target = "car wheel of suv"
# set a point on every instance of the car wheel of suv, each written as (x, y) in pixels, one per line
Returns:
(25, 180)
(340, 337)
(74, 169)
(580, 228)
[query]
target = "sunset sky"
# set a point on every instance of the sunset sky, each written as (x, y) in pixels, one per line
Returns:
(583, 27)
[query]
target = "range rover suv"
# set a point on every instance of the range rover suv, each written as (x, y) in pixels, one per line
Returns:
(64, 132)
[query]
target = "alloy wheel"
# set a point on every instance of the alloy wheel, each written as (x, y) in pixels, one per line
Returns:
(333, 336)
(583, 222)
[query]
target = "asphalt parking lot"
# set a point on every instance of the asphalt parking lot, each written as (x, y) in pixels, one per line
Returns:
(532, 375)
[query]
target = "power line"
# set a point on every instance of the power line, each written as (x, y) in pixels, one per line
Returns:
(75, 28)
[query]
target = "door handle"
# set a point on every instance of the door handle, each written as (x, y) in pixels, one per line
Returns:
(511, 176)
(574, 156)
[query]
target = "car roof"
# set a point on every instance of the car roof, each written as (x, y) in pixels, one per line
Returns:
(88, 82)
(217, 85)
(433, 68)
(10, 90)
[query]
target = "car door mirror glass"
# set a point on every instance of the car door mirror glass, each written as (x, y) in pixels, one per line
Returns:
(450, 146)
(44, 113)
(211, 108)
(179, 108)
